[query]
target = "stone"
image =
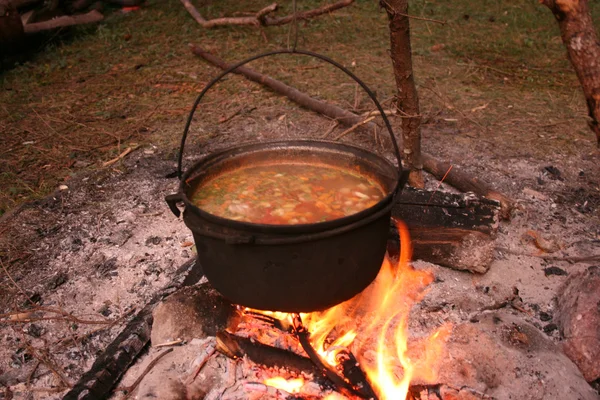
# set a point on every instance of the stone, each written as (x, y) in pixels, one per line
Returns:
(578, 318)
(506, 357)
(192, 312)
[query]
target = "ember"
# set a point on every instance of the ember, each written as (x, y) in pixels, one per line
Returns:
(374, 327)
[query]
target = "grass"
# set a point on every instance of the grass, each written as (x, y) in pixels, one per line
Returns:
(85, 96)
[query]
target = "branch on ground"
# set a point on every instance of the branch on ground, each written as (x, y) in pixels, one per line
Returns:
(261, 18)
(64, 21)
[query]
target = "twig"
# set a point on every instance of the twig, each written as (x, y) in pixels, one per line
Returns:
(135, 384)
(225, 119)
(261, 17)
(439, 184)
(171, 343)
(593, 257)
(353, 127)
(326, 9)
(50, 365)
(209, 351)
(64, 316)
(30, 376)
(331, 128)
(119, 157)
(19, 288)
(257, 19)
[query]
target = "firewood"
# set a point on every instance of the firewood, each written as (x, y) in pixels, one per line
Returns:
(235, 346)
(455, 231)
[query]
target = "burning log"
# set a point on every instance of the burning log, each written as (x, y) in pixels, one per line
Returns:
(235, 347)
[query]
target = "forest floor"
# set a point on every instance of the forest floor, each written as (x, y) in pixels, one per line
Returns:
(498, 98)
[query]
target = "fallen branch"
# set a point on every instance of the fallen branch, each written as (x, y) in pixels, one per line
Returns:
(256, 20)
(261, 17)
(308, 14)
(455, 177)
(64, 21)
(330, 110)
(119, 157)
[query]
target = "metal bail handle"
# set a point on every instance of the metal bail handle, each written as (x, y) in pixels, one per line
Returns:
(402, 177)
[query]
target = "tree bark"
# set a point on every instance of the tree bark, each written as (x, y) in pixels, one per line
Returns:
(407, 99)
(580, 38)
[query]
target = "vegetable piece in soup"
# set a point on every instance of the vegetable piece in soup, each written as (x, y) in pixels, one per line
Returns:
(287, 194)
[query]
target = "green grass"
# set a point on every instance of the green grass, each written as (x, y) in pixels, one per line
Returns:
(132, 78)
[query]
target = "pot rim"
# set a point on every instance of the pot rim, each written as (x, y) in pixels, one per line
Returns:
(359, 218)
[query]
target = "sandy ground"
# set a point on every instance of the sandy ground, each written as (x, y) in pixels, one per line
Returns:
(101, 247)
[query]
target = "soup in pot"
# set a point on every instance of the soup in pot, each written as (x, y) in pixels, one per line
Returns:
(287, 194)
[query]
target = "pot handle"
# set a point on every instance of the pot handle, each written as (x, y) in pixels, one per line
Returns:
(172, 201)
(402, 176)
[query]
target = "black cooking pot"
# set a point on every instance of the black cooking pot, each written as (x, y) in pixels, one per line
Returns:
(291, 268)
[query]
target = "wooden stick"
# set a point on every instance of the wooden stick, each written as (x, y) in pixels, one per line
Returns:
(330, 110)
(135, 384)
(64, 21)
(257, 19)
(331, 128)
(353, 127)
(119, 157)
(308, 14)
(261, 17)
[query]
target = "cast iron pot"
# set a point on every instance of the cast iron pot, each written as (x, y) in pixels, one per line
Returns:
(291, 268)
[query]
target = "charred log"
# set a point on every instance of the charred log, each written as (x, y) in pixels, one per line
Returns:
(234, 346)
(452, 175)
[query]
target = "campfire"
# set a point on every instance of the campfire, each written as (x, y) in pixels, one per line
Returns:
(362, 346)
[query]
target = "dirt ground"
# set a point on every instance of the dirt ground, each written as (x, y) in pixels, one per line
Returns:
(80, 261)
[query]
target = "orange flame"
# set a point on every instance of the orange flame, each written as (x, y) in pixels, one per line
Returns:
(289, 385)
(383, 310)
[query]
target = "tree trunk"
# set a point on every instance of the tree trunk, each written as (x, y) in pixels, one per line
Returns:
(407, 99)
(580, 39)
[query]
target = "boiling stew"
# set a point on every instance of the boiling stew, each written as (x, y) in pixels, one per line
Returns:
(287, 194)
